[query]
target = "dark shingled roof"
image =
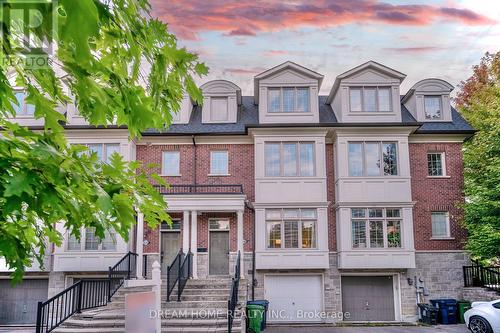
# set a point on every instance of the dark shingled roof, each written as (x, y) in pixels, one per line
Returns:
(248, 117)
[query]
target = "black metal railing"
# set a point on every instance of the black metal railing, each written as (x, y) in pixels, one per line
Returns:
(145, 266)
(83, 295)
(173, 273)
(184, 274)
(233, 296)
(200, 189)
(480, 276)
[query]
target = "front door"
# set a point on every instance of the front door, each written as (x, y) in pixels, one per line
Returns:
(169, 248)
(368, 298)
(219, 253)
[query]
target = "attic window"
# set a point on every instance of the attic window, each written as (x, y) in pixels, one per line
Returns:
(433, 107)
(370, 99)
(288, 100)
(219, 109)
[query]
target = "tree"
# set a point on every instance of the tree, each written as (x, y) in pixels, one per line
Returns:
(479, 102)
(103, 51)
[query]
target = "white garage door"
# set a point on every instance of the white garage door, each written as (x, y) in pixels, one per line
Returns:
(18, 304)
(293, 298)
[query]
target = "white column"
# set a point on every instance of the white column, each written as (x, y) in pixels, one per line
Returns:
(185, 231)
(140, 243)
(194, 242)
(239, 231)
(156, 277)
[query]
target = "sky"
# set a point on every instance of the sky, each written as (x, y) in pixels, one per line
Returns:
(238, 39)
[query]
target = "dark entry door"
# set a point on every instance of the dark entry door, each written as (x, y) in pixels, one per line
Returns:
(219, 253)
(368, 298)
(169, 248)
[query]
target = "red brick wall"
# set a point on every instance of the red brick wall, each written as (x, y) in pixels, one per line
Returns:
(437, 194)
(241, 170)
(330, 179)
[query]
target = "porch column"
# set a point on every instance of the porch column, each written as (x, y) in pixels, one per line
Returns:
(239, 231)
(194, 242)
(185, 231)
(140, 245)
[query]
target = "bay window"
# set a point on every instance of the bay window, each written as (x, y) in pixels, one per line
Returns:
(370, 99)
(289, 159)
(376, 228)
(288, 99)
(291, 228)
(372, 159)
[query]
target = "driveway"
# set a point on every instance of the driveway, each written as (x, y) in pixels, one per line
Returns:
(387, 329)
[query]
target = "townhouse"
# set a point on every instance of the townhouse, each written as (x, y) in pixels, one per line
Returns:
(346, 204)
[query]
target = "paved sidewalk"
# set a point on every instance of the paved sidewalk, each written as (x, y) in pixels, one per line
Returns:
(387, 329)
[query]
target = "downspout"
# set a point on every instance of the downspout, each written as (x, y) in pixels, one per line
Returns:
(254, 282)
(195, 158)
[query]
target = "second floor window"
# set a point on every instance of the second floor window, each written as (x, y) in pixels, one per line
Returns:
(22, 108)
(291, 228)
(370, 99)
(376, 228)
(104, 150)
(219, 163)
(372, 159)
(432, 107)
(435, 164)
(171, 163)
(440, 224)
(218, 109)
(289, 159)
(289, 99)
(92, 242)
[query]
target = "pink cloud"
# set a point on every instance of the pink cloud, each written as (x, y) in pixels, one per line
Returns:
(247, 18)
(238, 71)
(276, 52)
(417, 49)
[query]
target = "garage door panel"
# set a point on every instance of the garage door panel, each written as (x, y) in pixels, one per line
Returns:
(368, 298)
(289, 294)
(18, 304)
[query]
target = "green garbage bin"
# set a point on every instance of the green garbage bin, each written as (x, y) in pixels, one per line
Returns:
(255, 315)
(462, 307)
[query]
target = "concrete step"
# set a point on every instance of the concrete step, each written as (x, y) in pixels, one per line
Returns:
(201, 304)
(164, 330)
(177, 322)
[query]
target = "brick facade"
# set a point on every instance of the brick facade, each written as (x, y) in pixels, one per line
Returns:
(437, 194)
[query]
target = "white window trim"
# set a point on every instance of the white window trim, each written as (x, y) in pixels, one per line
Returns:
(280, 89)
(82, 243)
(440, 97)
(281, 221)
(377, 103)
(212, 174)
(448, 230)
(443, 164)
(298, 162)
(385, 219)
(363, 155)
(163, 174)
(23, 106)
(104, 148)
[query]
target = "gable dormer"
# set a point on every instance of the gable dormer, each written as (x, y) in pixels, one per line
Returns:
(429, 100)
(184, 114)
(221, 99)
(367, 93)
(287, 93)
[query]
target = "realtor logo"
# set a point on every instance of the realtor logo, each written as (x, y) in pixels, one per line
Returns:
(24, 30)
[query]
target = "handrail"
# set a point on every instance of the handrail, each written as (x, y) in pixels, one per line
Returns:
(173, 273)
(185, 273)
(480, 276)
(233, 296)
(83, 295)
(200, 189)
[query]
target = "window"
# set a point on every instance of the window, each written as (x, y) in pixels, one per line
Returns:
(432, 107)
(171, 163)
(370, 99)
(219, 163)
(291, 228)
(435, 164)
(287, 100)
(92, 242)
(372, 159)
(440, 224)
(218, 109)
(289, 159)
(376, 228)
(104, 151)
(74, 243)
(218, 224)
(22, 108)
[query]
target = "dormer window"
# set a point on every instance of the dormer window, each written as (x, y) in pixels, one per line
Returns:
(218, 109)
(432, 107)
(370, 99)
(289, 99)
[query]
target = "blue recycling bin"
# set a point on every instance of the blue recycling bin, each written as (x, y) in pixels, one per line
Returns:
(447, 310)
(265, 304)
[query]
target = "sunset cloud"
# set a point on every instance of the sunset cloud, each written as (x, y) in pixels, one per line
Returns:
(247, 18)
(416, 49)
